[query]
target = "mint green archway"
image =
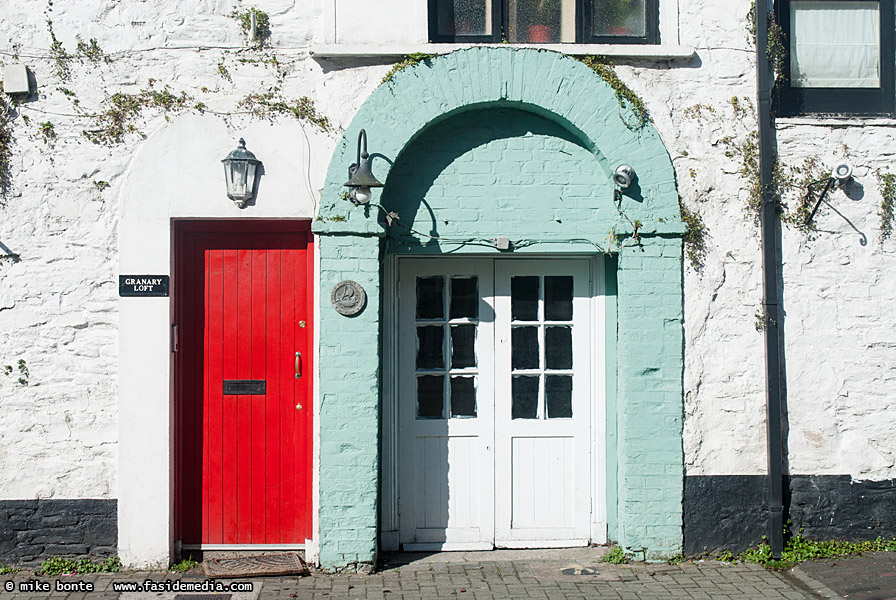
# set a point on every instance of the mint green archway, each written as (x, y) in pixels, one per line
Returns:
(545, 132)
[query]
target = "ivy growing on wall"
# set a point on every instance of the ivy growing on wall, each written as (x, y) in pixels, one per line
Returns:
(799, 179)
(887, 183)
(271, 103)
(627, 98)
(408, 61)
(262, 26)
(695, 237)
(775, 49)
(121, 110)
(5, 145)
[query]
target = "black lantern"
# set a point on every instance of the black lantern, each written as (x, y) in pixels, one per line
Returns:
(360, 177)
(240, 170)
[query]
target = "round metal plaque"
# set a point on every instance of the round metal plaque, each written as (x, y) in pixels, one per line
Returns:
(348, 298)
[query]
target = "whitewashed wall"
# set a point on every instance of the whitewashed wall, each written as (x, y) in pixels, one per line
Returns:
(60, 312)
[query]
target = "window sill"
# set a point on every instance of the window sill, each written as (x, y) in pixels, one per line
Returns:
(836, 121)
(393, 51)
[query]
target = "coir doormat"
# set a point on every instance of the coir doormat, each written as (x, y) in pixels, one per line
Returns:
(267, 565)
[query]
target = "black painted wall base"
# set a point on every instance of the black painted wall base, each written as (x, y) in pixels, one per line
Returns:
(31, 530)
(729, 511)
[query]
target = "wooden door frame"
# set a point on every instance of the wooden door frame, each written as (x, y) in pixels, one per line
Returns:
(180, 230)
(388, 534)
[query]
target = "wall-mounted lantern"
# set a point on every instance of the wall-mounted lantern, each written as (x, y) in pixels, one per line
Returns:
(360, 177)
(623, 176)
(840, 174)
(240, 174)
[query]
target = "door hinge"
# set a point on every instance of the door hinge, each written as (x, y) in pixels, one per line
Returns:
(174, 338)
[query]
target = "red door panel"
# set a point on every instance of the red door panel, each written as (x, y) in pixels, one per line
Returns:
(244, 312)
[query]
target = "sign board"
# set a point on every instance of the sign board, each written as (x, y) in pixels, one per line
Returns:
(143, 285)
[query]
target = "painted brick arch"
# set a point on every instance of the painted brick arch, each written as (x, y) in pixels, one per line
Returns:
(562, 102)
(549, 84)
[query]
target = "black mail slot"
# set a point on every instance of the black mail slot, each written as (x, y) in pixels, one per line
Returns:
(245, 387)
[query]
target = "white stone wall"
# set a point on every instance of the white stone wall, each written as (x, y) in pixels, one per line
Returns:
(59, 309)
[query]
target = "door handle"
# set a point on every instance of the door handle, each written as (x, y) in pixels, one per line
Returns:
(298, 365)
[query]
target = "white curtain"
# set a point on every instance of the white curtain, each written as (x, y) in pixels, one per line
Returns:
(834, 44)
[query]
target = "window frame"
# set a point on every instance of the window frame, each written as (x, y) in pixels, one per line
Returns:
(794, 101)
(500, 23)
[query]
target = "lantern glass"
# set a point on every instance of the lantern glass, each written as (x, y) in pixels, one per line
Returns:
(240, 168)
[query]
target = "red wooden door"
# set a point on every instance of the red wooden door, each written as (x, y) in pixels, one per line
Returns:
(245, 445)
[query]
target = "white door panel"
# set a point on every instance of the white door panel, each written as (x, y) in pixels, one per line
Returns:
(446, 427)
(542, 421)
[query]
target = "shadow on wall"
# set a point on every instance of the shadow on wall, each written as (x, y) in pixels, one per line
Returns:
(471, 166)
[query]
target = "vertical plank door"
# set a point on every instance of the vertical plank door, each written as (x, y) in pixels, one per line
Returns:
(244, 313)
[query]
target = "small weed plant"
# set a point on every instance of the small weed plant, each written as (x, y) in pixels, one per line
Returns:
(616, 556)
(677, 559)
(184, 565)
(47, 131)
(22, 368)
(58, 565)
(799, 549)
(8, 570)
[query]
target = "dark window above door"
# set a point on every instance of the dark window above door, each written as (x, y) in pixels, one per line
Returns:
(544, 21)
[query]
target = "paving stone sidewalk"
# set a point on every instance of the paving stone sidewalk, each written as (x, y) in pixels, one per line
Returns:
(868, 577)
(551, 574)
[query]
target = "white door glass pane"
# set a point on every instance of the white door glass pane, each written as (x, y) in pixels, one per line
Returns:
(834, 44)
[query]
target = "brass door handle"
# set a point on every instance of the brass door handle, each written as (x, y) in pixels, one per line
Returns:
(298, 365)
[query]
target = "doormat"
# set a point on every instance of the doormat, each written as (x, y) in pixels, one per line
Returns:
(285, 563)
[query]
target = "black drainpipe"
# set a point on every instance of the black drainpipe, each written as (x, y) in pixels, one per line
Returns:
(769, 222)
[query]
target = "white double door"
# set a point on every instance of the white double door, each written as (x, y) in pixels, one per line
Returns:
(495, 403)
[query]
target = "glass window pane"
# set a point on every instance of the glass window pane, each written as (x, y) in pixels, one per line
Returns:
(558, 396)
(524, 298)
(430, 391)
(524, 348)
(465, 17)
(834, 44)
(430, 299)
(463, 346)
(558, 298)
(463, 396)
(464, 297)
(429, 347)
(541, 21)
(619, 17)
(558, 347)
(524, 397)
